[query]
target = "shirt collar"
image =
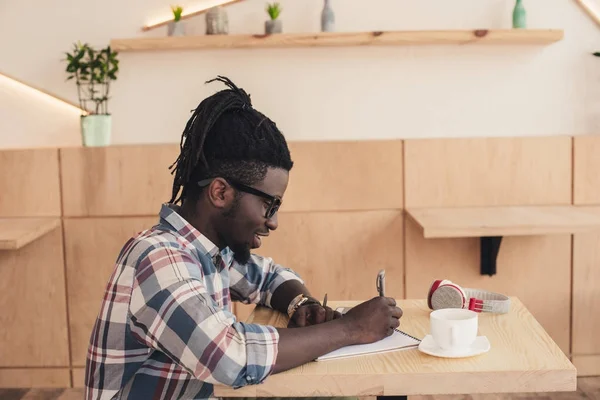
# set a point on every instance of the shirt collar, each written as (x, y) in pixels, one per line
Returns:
(169, 215)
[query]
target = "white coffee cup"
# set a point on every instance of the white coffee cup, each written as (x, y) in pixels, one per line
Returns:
(453, 328)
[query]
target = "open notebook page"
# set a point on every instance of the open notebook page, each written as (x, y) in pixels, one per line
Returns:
(398, 340)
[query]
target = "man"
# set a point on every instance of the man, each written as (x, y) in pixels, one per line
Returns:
(165, 328)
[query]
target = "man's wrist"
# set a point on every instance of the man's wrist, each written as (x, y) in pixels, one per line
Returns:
(347, 333)
(299, 301)
(286, 293)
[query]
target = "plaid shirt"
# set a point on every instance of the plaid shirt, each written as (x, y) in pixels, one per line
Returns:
(166, 329)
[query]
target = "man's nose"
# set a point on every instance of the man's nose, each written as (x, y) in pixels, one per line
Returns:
(272, 222)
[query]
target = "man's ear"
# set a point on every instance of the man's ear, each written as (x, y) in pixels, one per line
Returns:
(219, 193)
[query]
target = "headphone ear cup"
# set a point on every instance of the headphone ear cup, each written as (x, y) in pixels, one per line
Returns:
(434, 286)
(447, 295)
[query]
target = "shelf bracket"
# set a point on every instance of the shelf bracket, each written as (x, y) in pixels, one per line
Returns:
(490, 245)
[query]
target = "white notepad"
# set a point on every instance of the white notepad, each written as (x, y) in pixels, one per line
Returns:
(397, 341)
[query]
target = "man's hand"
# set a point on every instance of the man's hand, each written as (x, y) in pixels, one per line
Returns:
(374, 319)
(312, 314)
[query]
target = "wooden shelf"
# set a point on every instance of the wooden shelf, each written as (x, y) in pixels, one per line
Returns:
(504, 221)
(387, 38)
(16, 233)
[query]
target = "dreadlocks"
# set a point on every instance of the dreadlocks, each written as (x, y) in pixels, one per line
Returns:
(226, 137)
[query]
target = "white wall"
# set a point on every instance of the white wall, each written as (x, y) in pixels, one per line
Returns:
(321, 93)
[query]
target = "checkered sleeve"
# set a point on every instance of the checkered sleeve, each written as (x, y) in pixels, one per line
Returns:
(256, 281)
(172, 312)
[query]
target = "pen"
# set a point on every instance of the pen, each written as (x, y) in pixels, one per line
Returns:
(381, 288)
(325, 301)
(381, 282)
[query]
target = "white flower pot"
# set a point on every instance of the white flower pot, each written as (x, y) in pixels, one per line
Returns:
(176, 28)
(273, 26)
(96, 130)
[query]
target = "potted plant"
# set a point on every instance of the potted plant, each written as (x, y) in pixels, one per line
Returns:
(176, 27)
(273, 25)
(93, 70)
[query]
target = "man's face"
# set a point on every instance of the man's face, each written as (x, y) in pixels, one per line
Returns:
(245, 221)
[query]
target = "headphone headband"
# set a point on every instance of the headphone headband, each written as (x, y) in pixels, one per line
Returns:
(446, 294)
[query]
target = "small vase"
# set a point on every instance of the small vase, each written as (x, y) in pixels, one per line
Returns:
(176, 28)
(273, 26)
(327, 18)
(95, 130)
(217, 21)
(519, 16)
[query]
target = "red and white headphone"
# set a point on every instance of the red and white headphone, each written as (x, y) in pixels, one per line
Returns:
(446, 294)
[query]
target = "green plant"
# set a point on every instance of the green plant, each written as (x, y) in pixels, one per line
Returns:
(274, 10)
(177, 11)
(93, 70)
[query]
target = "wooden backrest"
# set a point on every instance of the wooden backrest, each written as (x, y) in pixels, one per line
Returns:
(487, 171)
(30, 183)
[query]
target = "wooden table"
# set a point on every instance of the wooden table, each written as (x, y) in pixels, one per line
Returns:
(523, 358)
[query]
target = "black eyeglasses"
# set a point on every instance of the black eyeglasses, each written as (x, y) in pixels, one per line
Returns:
(274, 201)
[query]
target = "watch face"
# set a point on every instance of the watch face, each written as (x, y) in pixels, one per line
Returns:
(293, 307)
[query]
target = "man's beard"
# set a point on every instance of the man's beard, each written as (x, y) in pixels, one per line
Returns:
(241, 253)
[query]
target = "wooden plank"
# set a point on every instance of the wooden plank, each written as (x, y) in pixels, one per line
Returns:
(34, 378)
(523, 358)
(521, 262)
(587, 365)
(504, 221)
(345, 175)
(586, 296)
(78, 375)
(32, 300)
(30, 183)
(16, 233)
(586, 179)
(340, 253)
(320, 39)
(327, 176)
(465, 172)
(91, 248)
(117, 180)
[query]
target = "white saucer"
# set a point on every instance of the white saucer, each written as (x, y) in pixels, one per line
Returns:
(480, 345)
